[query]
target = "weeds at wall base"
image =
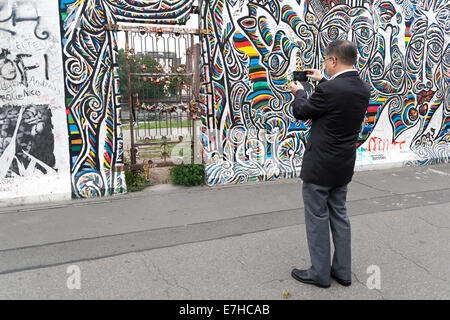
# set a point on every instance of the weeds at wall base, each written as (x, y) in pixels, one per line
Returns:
(136, 180)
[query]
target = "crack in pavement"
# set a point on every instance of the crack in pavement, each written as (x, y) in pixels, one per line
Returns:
(431, 224)
(402, 255)
(273, 280)
(374, 188)
(167, 281)
(174, 279)
(365, 285)
(181, 287)
(163, 278)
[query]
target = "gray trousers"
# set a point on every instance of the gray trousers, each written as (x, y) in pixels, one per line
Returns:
(324, 207)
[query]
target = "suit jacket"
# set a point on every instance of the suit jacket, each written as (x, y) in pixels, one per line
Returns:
(337, 109)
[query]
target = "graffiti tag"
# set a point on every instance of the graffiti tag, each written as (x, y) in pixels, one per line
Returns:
(18, 16)
(377, 144)
(9, 69)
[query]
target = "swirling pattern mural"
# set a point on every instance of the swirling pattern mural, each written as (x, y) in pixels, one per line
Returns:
(92, 84)
(248, 130)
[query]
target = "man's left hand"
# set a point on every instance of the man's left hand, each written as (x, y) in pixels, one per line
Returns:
(295, 86)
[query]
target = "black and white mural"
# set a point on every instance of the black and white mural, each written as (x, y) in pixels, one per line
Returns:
(34, 159)
(27, 141)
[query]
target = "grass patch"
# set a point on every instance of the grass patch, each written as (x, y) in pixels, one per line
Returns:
(155, 151)
(162, 125)
(153, 154)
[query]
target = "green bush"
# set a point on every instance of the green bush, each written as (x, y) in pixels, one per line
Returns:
(188, 174)
(136, 180)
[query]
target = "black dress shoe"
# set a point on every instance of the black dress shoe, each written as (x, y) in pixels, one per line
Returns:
(342, 282)
(302, 276)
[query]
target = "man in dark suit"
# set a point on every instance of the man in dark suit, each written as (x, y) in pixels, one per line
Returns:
(337, 109)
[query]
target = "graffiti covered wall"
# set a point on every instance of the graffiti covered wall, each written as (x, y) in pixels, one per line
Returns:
(60, 127)
(249, 132)
(33, 132)
(60, 114)
(92, 85)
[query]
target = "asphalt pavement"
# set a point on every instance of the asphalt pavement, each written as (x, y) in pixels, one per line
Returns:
(229, 242)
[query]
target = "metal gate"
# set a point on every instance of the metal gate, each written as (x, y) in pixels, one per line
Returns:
(163, 89)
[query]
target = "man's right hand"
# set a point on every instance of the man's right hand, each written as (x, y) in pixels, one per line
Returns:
(314, 74)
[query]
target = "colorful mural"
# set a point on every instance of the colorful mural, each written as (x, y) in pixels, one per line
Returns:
(60, 119)
(92, 85)
(248, 130)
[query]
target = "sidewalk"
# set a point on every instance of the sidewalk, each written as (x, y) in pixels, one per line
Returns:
(229, 242)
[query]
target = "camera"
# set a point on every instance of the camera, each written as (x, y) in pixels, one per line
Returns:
(299, 76)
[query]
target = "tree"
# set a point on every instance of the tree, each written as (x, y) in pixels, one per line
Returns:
(149, 88)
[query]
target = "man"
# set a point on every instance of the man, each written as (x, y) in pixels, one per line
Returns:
(337, 109)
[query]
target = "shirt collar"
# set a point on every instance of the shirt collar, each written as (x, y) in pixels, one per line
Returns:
(339, 73)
